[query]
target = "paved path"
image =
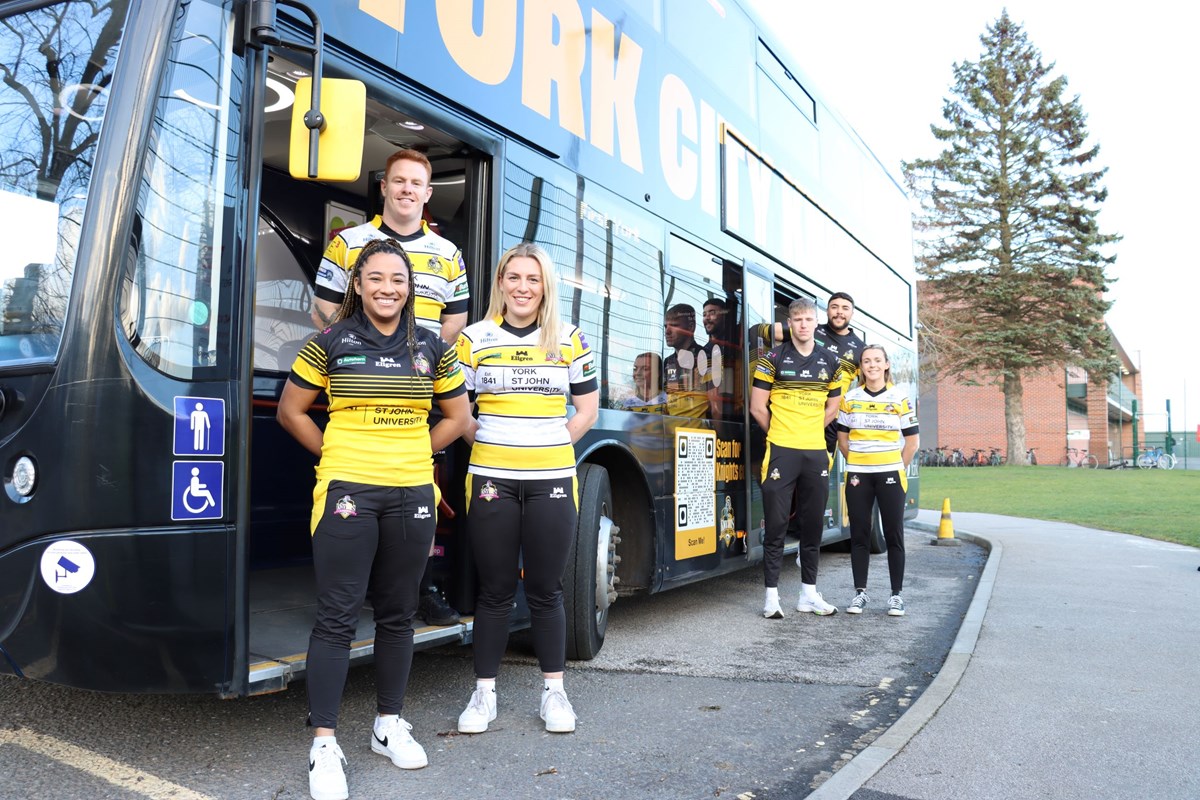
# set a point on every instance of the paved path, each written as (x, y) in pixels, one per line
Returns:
(1076, 674)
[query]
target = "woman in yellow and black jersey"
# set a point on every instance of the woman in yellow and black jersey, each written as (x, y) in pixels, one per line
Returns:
(374, 504)
(877, 433)
(522, 363)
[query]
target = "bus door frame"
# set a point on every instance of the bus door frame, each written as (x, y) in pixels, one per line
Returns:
(756, 275)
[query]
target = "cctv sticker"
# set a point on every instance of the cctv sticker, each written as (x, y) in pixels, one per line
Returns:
(67, 567)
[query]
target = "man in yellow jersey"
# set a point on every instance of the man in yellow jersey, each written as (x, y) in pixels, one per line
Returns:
(837, 336)
(687, 390)
(441, 277)
(442, 294)
(796, 391)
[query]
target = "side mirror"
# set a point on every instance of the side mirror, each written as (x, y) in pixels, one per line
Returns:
(343, 104)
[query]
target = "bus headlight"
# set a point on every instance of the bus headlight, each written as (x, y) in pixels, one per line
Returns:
(24, 476)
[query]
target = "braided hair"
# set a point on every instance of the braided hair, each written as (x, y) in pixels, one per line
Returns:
(352, 301)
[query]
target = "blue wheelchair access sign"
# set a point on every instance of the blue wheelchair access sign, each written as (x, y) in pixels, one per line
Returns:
(199, 426)
(197, 489)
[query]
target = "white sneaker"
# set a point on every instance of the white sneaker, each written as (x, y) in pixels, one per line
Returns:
(895, 606)
(771, 609)
(392, 739)
(815, 605)
(326, 780)
(858, 603)
(557, 711)
(479, 711)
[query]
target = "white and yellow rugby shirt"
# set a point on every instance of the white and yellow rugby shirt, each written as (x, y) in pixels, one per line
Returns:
(521, 393)
(379, 399)
(799, 385)
(438, 269)
(877, 424)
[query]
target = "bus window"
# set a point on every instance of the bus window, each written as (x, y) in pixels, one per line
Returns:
(282, 302)
(619, 289)
(176, 283)
(48, 131)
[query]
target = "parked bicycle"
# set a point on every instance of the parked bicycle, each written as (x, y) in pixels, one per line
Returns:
(995, 459)
(1079, 457)
(1031, 457)
(1156, 457)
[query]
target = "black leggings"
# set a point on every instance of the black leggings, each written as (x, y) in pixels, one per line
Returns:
(517, 526)
(369, 541)
(805, 473)
(863, 490)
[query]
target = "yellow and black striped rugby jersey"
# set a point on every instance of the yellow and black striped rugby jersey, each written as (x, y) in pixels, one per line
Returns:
(847, 347)
(438, 269)
(877, 424)
(379, 399)
(799, 385)
(686, 385)
(521, 393)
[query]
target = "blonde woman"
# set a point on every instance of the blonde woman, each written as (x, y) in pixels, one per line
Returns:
(522, 363)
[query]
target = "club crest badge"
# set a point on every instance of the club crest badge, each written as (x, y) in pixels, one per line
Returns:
(435, 265)
(823, 375)
(488, 491)
(420, 364)
(854, 480)
(345, 507)
(775, 474)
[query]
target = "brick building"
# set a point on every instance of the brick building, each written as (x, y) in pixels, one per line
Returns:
(1062, 409)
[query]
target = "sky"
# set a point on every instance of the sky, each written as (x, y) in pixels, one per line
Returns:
(886, 67)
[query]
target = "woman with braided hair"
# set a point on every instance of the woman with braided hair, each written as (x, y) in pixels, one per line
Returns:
(375, 502)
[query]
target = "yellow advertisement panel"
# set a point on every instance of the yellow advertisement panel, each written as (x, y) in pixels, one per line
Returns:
(695, 493)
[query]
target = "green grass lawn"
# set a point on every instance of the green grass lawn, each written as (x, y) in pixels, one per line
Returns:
(1155, 503)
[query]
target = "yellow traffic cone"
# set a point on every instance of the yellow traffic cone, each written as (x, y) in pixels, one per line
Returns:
(945, 527)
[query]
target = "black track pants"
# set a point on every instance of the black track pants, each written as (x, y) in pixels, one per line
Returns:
(517, 525)
(806, 473)
(863, 491)
(370, 541)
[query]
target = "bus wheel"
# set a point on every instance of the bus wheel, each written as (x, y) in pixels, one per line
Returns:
(589, 585)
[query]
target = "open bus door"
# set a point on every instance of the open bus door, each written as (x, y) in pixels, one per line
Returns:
(297, 215)
(759, 288)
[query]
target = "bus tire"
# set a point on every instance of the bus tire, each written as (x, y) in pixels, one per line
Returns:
(589, 582)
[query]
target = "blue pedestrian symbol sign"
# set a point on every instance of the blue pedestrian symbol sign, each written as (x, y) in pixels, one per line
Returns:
(199, 426)
(196, 489)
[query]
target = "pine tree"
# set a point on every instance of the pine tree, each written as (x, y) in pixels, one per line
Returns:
(1010, 246)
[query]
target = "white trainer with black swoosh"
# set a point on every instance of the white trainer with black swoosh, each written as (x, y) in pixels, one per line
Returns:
(326, 780)
(391, 738)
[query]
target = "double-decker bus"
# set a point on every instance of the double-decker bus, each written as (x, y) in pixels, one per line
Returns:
(156, 286)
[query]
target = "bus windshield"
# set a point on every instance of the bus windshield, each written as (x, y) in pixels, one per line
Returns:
(56, 62)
